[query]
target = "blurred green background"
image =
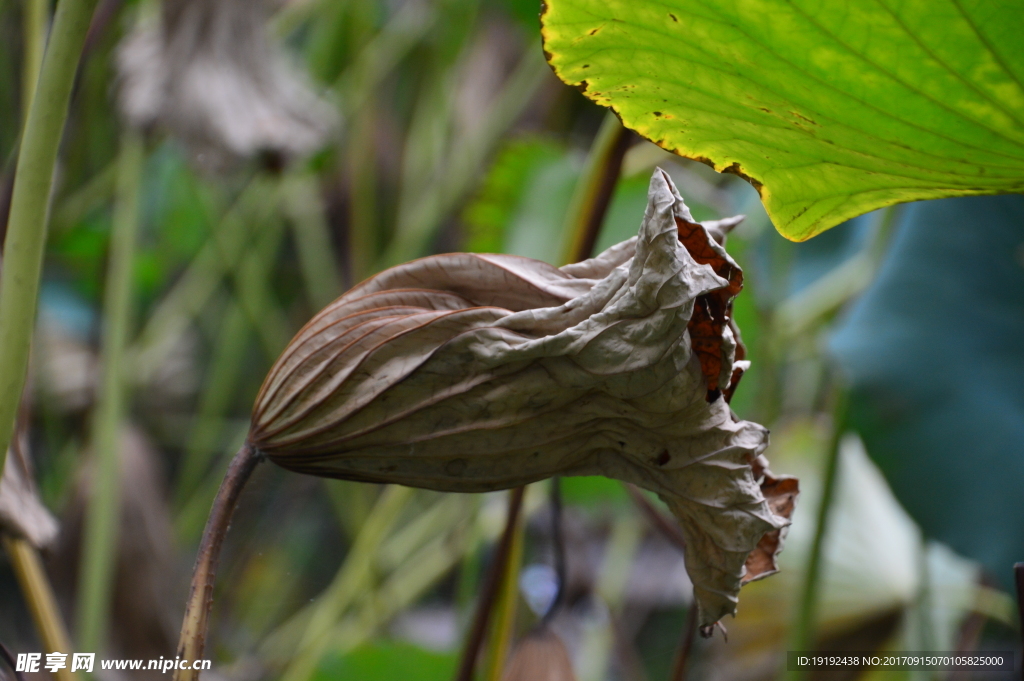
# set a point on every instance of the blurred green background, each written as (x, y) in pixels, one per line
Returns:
(449, 132)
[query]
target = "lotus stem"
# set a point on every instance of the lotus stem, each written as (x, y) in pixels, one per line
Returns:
(557, 549)
(26, 226)
(227, 361)
(806, 616)
(40, 599)
(664, 524)
(34, 16)
(685, 644)
(192, 641)
(594, 190)
(505, 610)
(99, 553)
(492, 585)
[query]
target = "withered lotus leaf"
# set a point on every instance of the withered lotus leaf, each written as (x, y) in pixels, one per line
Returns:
(468, 373)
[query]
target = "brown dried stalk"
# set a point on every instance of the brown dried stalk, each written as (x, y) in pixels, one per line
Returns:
(200, 600)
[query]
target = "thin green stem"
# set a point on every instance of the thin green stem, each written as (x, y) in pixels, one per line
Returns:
(221, 385)
(804, 635)
(305, 210)
(39, 598)
(250, 278)
(34, 16)
(219, 257)
(102, 518)
(353, 579)
(594, 190)
(362, 180)
(505, 610)
(490, 588)
(682, 658)
(26, 226)
(422, 211)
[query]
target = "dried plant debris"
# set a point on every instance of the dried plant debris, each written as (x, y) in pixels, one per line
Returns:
(22, 514)
(208, 72)
(469, 372)
(540, 656)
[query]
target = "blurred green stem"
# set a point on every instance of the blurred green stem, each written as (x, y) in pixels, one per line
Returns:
(34, 16)
(350, 581)
(305, 210)
(804, 635)
(505, 610)
(362, 182)
(99, 544)
(35, 586)
(405, 585)
(219, 256)
(352, 502)
(252, 307)
(251, 272)
(30, 201)
(422, 212)
(682, 659)
(594, 190)
(383, 53)
(416, 556)
(226, 363)
(95, 193)
(490, 588)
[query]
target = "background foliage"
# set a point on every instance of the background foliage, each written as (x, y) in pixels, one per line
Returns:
(455, 135)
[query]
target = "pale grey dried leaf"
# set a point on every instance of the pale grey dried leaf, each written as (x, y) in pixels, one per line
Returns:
(468, 372)
(209, 73)
(21, 511)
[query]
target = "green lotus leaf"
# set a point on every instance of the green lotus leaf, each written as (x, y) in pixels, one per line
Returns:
(830, 109)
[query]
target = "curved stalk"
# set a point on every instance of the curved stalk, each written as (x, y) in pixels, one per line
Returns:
(192, 641)
(26, 226)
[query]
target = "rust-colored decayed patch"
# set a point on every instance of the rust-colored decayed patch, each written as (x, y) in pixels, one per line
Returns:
(712, 311)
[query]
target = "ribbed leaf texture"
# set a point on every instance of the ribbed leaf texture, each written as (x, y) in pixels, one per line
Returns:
(468, 373)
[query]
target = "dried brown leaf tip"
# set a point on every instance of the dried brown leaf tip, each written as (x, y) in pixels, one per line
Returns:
(467, 373)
